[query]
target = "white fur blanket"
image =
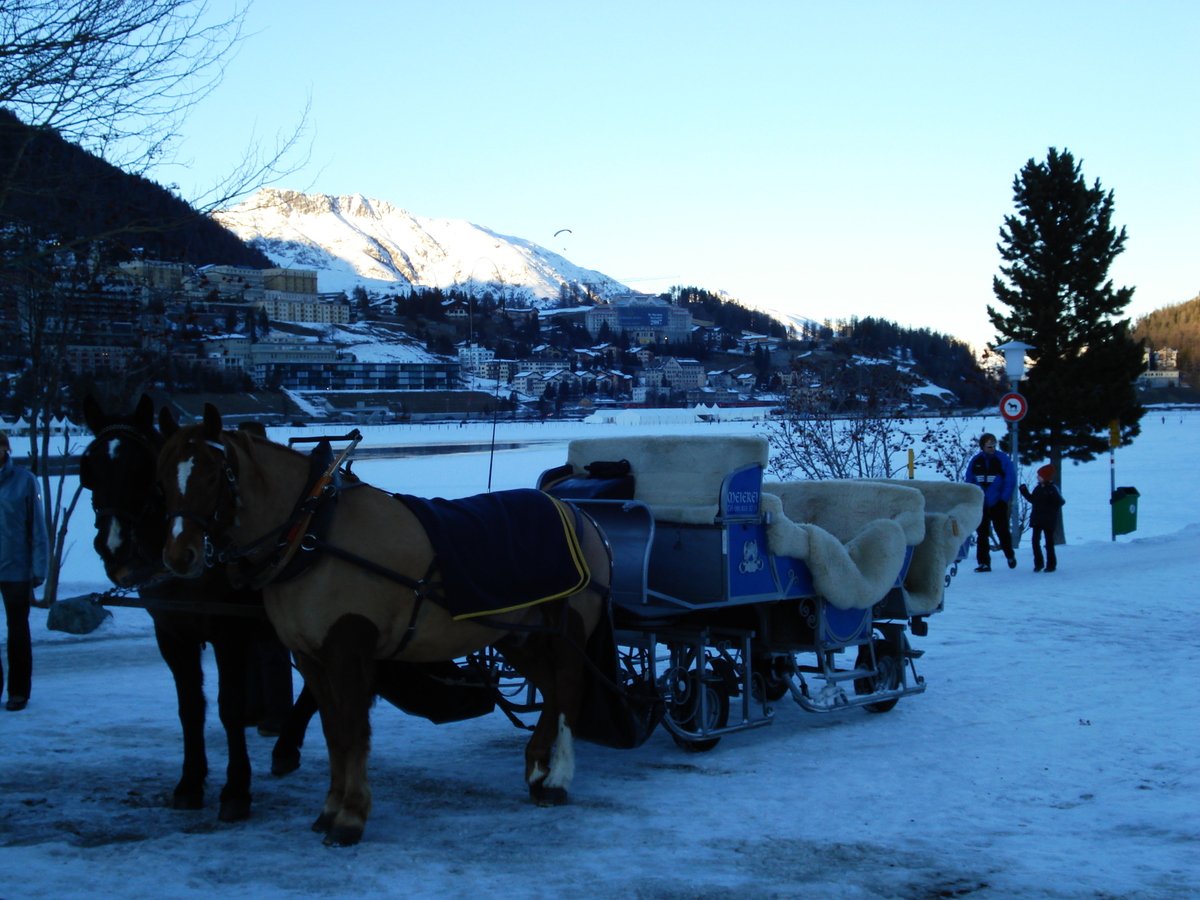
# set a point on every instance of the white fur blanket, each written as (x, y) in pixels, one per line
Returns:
(952, 511)
(678, 477)
(852, 535)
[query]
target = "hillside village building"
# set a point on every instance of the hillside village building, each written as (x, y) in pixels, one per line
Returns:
(644, 319)
(155, 275)
(147, 308)
(474, 358)
(362, 376)
(137, 310)
(285, 295)
(1161, 369)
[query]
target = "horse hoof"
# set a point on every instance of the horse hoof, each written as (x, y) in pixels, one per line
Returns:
(285, 764)
(343, 836)
(188, 801)
(234, 810)
(324, 823)
(547, 796)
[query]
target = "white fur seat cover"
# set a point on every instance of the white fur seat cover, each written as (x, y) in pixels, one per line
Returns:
(852, 535)
(952, 511)
(678, 477)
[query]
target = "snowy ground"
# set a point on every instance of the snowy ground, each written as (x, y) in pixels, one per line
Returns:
(1054, 755)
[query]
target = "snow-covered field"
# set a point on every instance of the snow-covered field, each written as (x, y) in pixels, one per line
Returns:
(1055, 754)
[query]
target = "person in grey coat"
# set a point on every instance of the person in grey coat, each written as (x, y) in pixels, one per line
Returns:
(24, 554)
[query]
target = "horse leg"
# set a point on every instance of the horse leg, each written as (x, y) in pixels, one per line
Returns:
(550, 758)
(315, 681)
(285, 757)
(555, 667)
(232, 654)
(181, 653)
(342, 678)
(535, 666)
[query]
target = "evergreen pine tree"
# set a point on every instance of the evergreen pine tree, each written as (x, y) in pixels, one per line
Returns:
(1057, 250)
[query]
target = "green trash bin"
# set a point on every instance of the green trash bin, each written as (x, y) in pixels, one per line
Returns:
(1124, 504)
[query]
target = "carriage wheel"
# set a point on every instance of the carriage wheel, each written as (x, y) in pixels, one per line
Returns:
(888, 671)
(768, 682)
(688, 713)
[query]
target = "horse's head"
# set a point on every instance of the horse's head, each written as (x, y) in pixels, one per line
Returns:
(118, 467)
(199, 488)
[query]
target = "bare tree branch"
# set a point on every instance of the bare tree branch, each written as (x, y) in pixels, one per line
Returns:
(851, 427)
(116, 77)
(262, 164)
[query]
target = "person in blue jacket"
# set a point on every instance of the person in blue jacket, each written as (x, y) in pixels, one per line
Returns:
(24, 553)
(993, 471)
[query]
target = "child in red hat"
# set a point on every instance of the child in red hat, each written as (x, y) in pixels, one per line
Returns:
(1045, 502)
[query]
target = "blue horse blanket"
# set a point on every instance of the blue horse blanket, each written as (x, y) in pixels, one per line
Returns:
(503, 551)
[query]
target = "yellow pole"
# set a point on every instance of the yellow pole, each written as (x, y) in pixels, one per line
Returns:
(911, 464)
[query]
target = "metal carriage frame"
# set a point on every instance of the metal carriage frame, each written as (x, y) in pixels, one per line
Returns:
(721, 628)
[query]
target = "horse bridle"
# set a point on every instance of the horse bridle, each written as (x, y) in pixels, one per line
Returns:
(119, 513)
(212, 526)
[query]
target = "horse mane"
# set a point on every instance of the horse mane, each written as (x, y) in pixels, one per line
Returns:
(252, 444)
(246, 438)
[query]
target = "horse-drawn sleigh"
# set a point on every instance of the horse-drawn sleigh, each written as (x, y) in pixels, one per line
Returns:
(662, 582)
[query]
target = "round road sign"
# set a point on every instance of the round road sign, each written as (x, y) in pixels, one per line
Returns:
(1013, 407)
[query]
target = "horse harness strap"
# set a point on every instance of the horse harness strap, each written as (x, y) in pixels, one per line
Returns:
(424, 589)
(314, 509)
(118, 429)
(292, 554)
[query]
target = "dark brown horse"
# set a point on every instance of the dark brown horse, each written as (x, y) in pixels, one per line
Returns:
(119, 468)
(342, 615)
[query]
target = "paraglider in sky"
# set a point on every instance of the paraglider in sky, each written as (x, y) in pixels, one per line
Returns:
(561, 230)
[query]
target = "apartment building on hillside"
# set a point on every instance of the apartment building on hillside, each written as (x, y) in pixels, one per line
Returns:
(644, 319)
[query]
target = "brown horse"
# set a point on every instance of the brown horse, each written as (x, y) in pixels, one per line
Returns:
(341, 615)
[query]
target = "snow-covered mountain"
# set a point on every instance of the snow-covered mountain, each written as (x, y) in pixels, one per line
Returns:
(355, 241)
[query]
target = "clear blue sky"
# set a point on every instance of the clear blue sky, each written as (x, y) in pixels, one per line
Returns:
(831, 159)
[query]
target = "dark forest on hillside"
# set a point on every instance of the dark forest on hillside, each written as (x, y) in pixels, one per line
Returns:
(728, 315)
(1177, 328)
(943, 360)
(52, 189)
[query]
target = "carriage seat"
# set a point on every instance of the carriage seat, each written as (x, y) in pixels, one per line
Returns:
(953, 510)
(853, 535)
(678, 476)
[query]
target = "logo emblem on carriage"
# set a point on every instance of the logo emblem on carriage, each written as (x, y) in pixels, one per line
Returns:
(751, 561)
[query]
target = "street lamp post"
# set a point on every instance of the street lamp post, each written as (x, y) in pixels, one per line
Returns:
(1014, 368)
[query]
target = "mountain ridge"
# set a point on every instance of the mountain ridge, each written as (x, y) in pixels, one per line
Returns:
(354, 240)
